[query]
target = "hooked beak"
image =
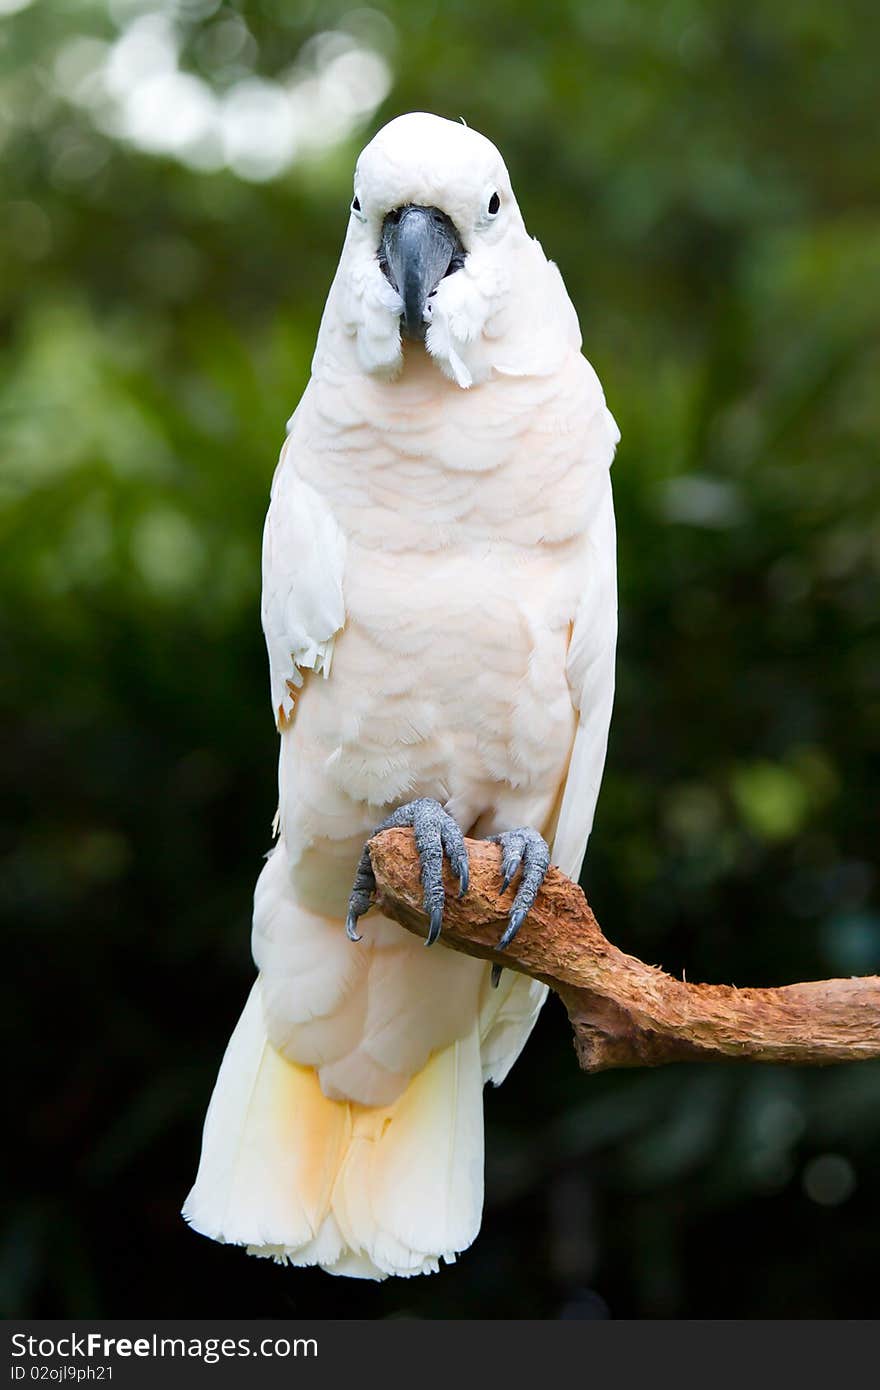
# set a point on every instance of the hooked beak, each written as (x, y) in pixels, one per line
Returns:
(419, 247)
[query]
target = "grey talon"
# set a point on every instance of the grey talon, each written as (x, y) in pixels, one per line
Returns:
(436, 834)
(513, 844)
(361, 894)
(434, 928)
(497, 972)
(514, 922)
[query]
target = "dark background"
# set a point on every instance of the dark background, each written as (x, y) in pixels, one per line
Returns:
(175, 188)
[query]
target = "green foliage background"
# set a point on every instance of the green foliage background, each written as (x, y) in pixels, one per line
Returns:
(705, 174)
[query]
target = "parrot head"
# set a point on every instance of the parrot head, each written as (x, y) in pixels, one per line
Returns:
(437, 255)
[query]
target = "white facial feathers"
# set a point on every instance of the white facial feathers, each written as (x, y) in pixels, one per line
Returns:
(505, 309)
(432, 162)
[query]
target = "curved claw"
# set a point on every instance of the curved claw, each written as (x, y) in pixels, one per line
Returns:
(514, 922)
(513, 846)
(464, 879)
(361, 895)
(436, 924)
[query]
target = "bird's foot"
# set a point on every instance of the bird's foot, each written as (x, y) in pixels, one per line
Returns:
(521, 849)
(436, 834)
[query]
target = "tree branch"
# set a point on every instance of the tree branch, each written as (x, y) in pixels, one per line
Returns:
(625, 1013)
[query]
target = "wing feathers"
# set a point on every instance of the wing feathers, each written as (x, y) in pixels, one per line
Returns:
(303, 565)
(590, 669)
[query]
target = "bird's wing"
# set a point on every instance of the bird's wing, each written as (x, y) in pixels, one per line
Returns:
(591, 652)
(302, 606)
(509, 1013)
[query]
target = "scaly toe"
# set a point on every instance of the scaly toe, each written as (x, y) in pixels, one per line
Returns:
(453, 847)
(523, 848)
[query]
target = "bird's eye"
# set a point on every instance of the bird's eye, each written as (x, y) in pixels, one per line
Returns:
(356, 205)
(494, 205)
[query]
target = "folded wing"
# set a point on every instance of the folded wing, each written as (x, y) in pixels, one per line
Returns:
(303, 564)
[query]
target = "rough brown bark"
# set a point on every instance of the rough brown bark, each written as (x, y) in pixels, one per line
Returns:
(625, 1013)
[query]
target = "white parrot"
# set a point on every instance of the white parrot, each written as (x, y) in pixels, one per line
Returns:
(439, 604)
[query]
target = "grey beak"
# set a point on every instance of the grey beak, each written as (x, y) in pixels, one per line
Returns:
(419, 246)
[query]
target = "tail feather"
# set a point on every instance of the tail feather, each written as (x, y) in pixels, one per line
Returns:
(367, 1192)
(411, 1189)
(270, 1145)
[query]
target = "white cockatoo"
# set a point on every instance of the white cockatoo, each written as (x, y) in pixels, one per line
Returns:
(439, 604)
